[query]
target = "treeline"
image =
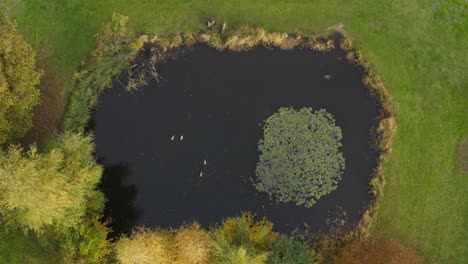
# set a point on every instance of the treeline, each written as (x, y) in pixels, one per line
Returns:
(48, 196)
(240, 240)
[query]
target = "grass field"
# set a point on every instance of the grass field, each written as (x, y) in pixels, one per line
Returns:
(417, 47)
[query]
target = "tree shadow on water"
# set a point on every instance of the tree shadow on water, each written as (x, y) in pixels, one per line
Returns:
(119, 209)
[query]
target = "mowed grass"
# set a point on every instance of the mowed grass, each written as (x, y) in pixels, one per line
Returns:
(417, 47)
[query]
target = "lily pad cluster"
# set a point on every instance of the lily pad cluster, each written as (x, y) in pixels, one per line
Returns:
(300, 158)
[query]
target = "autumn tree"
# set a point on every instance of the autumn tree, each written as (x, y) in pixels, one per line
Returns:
(189, 244)
(18, 82)
(192, 245)
(146, 246)
(51, 189)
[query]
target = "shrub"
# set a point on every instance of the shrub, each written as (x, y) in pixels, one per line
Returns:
(300, 159)
(51, 189)
(18, 82)
(288, 250)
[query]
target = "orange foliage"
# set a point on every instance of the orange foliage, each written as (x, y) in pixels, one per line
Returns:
(380, 251)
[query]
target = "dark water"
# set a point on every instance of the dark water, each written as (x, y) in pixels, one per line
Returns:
(218, 102)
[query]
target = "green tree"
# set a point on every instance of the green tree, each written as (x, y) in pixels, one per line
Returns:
(228, 253)
(288, 250)
(300, 159)
(243, 240)
(18, 82)
(51, 190)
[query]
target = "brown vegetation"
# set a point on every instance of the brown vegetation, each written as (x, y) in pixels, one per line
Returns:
(462, 155)
(47, 115)
(381, 251)
(242, 39)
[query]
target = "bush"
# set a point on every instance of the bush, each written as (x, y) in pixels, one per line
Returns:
(300, 159)
(55, 189)
(18, 82)
(288, 250)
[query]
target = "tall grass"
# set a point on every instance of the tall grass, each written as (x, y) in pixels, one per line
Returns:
(115, 50)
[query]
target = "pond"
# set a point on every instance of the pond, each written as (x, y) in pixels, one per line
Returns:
(210, 106)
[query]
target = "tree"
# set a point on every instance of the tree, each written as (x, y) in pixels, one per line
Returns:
(300, 159)
(53, 189)
(146, 246)
(18, 82)
(226, 252)
(190, 244)
(288, 250)
(377, 251)
(243, 240)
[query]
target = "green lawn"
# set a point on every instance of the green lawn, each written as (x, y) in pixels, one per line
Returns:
(417, 47)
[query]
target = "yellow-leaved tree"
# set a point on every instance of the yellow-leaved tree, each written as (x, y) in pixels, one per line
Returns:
(18, 82)
(146, 246)
(190, 244)
(52, 189)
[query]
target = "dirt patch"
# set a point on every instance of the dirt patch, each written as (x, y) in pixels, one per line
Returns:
(48, 113)
(462, 155)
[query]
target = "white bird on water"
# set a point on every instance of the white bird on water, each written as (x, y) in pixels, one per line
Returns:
(182, 137)
(201, 173)
(204, 162)
(172, 138)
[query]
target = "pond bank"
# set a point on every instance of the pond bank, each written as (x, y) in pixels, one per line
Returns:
(218, 101)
